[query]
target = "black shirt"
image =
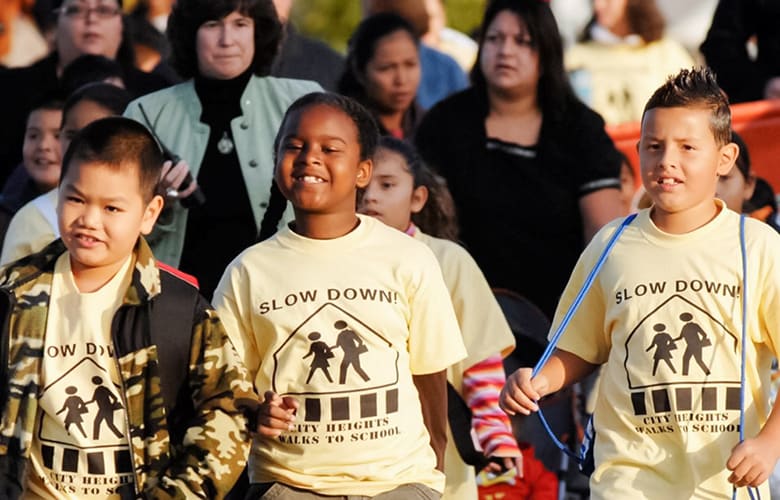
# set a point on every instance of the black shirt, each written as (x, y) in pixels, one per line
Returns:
(224, 226)
(518, 206)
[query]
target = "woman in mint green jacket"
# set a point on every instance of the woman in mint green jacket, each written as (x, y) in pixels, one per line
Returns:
(221, 122)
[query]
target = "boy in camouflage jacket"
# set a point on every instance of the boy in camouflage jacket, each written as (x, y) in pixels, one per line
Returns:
(181, 387)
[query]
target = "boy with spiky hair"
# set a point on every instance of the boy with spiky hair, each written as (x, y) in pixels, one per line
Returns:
(674, 429)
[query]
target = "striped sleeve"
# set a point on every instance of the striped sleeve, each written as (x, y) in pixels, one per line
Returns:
(482, 385)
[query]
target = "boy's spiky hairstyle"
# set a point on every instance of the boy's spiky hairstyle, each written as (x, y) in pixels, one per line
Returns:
(692, 88)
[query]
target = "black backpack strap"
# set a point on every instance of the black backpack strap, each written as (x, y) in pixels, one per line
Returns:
(171, 321)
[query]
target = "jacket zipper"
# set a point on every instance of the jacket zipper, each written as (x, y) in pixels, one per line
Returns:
(5, 346)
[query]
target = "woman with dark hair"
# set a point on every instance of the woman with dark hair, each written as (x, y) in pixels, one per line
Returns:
(221, 121)
(382, 72)
(531, 170)
(623, 57)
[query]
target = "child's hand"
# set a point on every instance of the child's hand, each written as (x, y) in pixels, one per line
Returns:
(173, 180)
(520, 393)
(276, 414)
(752, 461)
(500, 465)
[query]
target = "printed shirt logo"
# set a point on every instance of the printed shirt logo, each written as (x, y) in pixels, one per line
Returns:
(347, 373)
(682, 369)
(83, 449)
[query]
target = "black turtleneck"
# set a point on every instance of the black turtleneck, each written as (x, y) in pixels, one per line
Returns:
(224, 226)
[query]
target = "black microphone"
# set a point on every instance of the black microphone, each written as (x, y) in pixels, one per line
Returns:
(196, 198)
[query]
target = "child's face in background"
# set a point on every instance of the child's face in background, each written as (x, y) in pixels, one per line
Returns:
(392, 75)
(681, 161)
(41, 150)
(79, 116)
(318, 165)
(101, 213)
(734, 189)
(391, 196)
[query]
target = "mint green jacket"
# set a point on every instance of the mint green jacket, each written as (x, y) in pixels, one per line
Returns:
(174, 113)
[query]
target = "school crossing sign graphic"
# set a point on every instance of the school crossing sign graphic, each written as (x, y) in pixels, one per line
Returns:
(345, 375)
(82, 448)
(682, 370)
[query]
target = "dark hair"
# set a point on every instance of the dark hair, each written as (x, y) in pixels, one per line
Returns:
(362, 47)
(368, 132)
(743, 160)
(114, 99)
(763, 196)
(554, 93)
(118, 142)
(48, 103)
(188, 16)
(88, 68)
(437, 217)
(413, 11)
(644, 19)
(691, 88)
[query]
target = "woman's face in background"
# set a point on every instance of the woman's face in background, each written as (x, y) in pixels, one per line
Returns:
(508, 59)
(392, 75)
(611, 14)
(88, 27)
(225, 47)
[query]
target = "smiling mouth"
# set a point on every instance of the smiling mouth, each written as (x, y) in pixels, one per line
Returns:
(667, 181)
(309, 179)
(88, 240)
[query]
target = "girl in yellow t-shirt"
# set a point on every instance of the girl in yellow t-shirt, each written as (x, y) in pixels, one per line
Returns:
(405, 194)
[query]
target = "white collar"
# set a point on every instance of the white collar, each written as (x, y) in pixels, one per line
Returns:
(602, 35)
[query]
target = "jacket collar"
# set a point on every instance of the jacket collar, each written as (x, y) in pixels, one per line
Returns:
(144, 285)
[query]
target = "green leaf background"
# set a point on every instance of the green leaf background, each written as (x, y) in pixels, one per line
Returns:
(334, 20)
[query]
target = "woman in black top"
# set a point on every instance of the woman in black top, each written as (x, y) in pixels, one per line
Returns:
(531, 169)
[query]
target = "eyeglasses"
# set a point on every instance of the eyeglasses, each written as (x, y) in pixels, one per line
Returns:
(80, 11)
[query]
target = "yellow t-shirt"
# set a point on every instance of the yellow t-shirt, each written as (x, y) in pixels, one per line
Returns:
(31, 228)
(485, 333)
(342, 325)
(622, 77)
(80, 448)
(664, 316)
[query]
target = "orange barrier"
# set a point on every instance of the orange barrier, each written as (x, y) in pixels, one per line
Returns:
(757, 122)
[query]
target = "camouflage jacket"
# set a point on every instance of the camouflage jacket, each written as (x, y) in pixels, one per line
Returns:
(193, 447)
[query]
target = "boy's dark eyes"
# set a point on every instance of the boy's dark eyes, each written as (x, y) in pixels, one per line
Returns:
(387, 185)
(73, 199)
